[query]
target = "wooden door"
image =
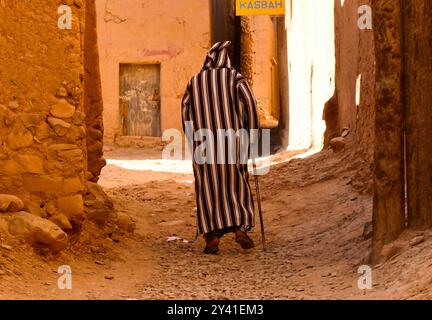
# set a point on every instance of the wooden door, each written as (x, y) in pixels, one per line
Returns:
(140, 100)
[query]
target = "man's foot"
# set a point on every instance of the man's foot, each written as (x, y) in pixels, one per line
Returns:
(244, 240)
(212, 245)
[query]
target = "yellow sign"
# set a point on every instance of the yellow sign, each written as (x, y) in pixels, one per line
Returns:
(260, 7)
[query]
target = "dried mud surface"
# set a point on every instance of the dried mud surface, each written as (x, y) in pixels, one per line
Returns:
(314, 218)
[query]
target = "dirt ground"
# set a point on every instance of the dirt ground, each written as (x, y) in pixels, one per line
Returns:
(314, 219)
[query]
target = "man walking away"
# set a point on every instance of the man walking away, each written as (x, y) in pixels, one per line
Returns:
(219, 97)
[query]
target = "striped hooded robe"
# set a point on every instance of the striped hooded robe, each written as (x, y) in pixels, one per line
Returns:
(219, 97)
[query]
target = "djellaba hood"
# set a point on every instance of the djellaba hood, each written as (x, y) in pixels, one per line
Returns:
(217, 56)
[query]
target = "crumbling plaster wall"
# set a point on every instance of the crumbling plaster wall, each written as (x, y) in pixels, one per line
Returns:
(355, 75)
(42, 130)
(174, 34)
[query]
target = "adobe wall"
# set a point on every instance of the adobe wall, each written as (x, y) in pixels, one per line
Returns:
(353, 105)
(174, 34)
(418, 105)
(42, 131)
(93, 103)
(259, 64)
(355, 75)
(331, 71)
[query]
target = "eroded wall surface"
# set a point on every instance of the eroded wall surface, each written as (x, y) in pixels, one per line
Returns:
(93, 103)
(418, 106)
(351, 111)
(174, 34)
(355, 74)
(389, 203)
(259, 64)
(42, 129)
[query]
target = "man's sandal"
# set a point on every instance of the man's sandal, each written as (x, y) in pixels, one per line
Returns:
(212, 246)
(244, 240)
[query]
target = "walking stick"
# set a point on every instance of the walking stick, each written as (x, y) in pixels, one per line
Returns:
(258, 196)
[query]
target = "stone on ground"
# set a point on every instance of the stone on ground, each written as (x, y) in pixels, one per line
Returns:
(417, 240)
(98, 205)
(10, 203)
(62, 221)
(37, 231)
(125, 222)
(337, 143)
(72, 207)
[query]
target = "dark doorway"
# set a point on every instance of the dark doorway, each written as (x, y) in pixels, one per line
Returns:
(226, 26)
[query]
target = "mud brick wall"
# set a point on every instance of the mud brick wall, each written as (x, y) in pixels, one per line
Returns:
(417, 20)
(259, 65)
(355, 76)
(389, 153)
(174, 34)
(93, 104)
(42, 120)
(353, 105)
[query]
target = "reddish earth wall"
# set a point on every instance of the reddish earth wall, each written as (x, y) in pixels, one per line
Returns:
(355, 57)
(353, 105)
(42, 131)
(170, 33)
(417, 19)
(93, 103)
